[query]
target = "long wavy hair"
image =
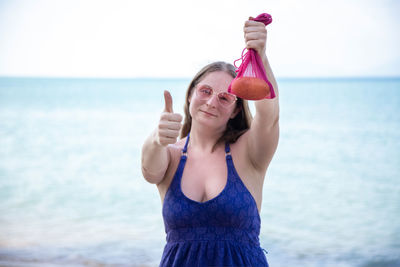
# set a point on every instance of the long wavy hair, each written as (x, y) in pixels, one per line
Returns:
(235, 126)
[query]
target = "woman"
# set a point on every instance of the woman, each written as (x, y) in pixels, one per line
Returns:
(211, 180)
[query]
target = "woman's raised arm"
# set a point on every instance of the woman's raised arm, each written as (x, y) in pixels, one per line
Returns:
(155, 154)
(263, 136)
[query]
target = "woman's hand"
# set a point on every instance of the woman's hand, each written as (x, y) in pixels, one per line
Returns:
(255, 36)
(169, 125)
(155, 155)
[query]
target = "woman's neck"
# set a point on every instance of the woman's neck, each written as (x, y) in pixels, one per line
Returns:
(203, 139)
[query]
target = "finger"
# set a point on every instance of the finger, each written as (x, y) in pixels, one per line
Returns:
(254, 29)
(167, 140)
(248, 23)
(171, 117)
(255, 36)
(170, 125)
(255, 44)
(168, 102)
(168, 133)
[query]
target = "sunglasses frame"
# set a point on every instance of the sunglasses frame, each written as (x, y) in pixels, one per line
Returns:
(198, 87)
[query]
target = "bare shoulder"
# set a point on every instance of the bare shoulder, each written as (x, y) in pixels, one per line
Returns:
(258, 145)
(246, 155)
(175, 149)
(239, 149)
(175, 155)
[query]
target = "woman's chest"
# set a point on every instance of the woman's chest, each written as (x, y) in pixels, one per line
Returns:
(204, 178)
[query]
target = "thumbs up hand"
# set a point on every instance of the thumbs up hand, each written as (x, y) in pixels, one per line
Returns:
(170, 123)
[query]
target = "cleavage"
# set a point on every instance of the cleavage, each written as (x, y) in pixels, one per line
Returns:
(204, 178)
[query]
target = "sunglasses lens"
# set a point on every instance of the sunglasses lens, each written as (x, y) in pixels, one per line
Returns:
(204, 92)
(226, 99)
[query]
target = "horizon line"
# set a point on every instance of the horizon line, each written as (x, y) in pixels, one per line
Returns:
(186, 78)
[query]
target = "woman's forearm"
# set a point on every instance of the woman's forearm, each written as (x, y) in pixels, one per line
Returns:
(155, 159)
(267, 110)
(270, 74)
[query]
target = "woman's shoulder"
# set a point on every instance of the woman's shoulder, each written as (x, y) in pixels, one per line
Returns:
(250, 175)
(245, 153)
(241, 142)
(175, 149)
(239, 150)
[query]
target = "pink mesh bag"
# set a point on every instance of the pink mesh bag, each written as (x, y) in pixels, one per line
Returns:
(251, 82)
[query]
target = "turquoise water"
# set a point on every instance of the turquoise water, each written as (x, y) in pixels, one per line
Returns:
(72, 193)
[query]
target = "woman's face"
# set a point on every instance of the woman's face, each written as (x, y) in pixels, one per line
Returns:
(211, 112)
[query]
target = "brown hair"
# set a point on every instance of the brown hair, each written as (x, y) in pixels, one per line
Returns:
(236, 126)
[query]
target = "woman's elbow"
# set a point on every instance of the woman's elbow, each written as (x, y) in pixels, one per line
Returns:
(151, 177)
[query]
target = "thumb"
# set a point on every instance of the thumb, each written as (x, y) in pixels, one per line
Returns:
(168, 102)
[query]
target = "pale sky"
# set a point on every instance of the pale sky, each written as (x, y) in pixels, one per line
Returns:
(171, 38)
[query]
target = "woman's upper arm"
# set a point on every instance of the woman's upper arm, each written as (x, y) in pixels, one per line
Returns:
(263, 136)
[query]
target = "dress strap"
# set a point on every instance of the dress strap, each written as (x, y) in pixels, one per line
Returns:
(184, 150)
(227, 149)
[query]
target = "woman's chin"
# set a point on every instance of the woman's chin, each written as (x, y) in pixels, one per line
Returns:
(209, 123)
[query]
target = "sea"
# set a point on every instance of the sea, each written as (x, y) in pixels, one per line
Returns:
(72, 192)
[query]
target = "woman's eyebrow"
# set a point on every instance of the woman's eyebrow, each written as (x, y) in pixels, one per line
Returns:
(205, 85)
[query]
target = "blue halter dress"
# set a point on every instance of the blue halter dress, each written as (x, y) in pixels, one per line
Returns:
(222, 231)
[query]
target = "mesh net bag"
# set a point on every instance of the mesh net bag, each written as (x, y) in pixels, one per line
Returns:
(251, 82)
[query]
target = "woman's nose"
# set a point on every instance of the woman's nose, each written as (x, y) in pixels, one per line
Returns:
(213, 100)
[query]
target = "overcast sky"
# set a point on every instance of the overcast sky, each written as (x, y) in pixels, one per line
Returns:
(170, 38)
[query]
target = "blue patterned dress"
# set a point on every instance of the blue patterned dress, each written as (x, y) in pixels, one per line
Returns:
(222, 231)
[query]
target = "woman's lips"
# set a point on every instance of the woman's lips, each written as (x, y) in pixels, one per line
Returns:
(208, 113)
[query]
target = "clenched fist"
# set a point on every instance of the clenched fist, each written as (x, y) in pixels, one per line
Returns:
(255, 36)
(170, 123)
